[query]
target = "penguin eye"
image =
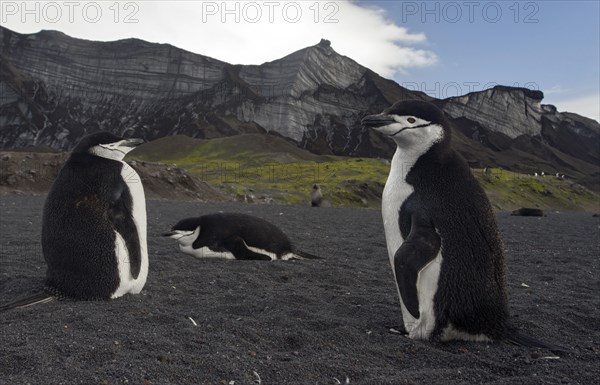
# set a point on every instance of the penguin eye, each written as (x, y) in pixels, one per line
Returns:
(411, 120)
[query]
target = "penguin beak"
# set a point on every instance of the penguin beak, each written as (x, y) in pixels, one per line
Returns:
(133, 142)
(118, 150)
(178, 234)
(379, 120)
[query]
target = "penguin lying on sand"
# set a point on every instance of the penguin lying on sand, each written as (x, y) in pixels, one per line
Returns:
(443, 242)
(234, 236)
(94, 225)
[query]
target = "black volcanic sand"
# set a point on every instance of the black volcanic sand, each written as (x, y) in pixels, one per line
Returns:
(296, 322)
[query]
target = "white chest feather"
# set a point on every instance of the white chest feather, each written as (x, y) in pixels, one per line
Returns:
(127, 283)
(396, 191)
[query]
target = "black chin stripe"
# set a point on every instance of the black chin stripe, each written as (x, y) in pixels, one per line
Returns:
(410, 128)
(399, 131)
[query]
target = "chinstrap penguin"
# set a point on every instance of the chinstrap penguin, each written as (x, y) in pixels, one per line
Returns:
(316, 196)
(443, 242)
(94, 225)
(234, 236)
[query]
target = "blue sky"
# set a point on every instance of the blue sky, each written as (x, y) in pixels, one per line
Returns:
(443, 48)
(553, 45)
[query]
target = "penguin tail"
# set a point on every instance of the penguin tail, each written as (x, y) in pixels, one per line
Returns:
(303, 255)
(516, 337)
(31, 300)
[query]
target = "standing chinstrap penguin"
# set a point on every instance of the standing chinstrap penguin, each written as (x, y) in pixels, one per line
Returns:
(234, 236)
(443, 242)
(94, 225)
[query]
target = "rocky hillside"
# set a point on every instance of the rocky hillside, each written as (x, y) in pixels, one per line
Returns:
(510, 128)
(33, 172)
(54, 89)
(266, 169)
(510, 113)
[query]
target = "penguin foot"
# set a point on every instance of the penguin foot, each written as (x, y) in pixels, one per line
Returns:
(398, 329)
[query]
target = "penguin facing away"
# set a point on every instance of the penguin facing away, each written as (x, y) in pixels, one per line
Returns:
(443, 242)
(234, 236)
(94, 225)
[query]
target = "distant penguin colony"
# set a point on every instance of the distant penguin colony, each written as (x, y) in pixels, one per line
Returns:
(443, 242)
(94, 225)
(234, 236)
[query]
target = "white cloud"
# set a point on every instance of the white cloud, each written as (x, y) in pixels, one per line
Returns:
(555, 90)
(588, 106)
(210, 28)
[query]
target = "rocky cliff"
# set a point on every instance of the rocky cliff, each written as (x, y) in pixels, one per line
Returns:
(54, 89)
(510, 128)
(510, 111)
(514, 112)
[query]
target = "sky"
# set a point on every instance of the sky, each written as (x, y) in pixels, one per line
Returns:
(443, 48)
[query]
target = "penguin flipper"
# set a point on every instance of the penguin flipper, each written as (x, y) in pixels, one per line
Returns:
(119, 213)
(240, 250)
(420, 247)
(27, 301)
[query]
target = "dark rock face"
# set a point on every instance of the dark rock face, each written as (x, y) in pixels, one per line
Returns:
(572, 134)
(54, 89)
